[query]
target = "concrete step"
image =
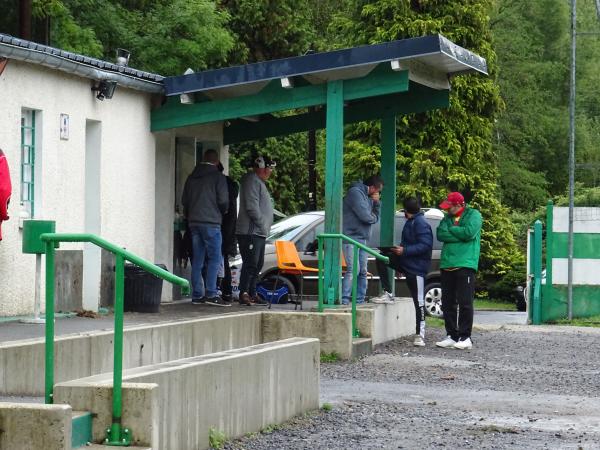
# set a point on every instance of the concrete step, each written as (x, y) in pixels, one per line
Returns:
(361, 347)
(108, 447)
(81, 429)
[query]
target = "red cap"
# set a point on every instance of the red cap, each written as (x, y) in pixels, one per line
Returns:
(453, 199)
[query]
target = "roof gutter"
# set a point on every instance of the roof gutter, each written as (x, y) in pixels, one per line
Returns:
(83, 70)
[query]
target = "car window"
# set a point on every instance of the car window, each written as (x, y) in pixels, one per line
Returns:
(400, 220)
(309, 236)
(287, 229)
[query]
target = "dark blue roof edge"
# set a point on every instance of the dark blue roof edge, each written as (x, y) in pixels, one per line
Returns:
(319, 62)
(80, 59)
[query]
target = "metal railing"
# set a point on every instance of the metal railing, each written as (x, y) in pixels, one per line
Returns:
(536, 271)
(355, 263)
(117, 435)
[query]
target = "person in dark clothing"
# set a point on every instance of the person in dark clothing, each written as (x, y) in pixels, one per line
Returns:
(413, 258)
(229, 245)
(253, 226)
(205, 201)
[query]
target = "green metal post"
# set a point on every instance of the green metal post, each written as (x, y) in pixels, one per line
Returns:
(546, 296)
(320, 281)
(355, 264)
(333, 188)
(388, 197)
(530, 274)
(537, 273)
(117, 435)
(49, 361)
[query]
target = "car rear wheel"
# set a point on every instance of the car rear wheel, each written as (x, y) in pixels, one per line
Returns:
(433, 299)
(269, 283)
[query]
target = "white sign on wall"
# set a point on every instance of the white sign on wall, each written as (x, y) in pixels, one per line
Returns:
(64, 127)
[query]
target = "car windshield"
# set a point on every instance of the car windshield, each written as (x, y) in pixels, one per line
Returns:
(287, 229)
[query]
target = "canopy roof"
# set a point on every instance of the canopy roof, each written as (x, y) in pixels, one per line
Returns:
(433, 54)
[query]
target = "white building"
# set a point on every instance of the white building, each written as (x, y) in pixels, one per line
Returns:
(91, 165)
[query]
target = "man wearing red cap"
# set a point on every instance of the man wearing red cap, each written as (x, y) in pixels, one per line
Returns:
(460, 231)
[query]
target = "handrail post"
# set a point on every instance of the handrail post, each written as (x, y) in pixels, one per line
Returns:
(355, 264)
(537, 273)
(49, 360)
(117, 435)
(320, 281)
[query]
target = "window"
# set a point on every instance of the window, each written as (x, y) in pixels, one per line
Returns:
(28, 161)
(288, 228)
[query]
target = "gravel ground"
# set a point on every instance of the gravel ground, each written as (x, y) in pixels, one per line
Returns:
(517, 389)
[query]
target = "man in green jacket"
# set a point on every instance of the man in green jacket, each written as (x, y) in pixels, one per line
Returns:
(460, 231)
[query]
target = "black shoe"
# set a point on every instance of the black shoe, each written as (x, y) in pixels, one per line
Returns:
(259, 301)
(227, 298)
(199, 301)
(216, 301)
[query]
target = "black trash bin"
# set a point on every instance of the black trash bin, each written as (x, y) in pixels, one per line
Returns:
(142, 289)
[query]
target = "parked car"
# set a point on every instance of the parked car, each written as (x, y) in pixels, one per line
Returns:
(302, 229)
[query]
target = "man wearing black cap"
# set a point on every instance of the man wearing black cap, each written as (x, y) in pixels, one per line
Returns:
(413, 258)
(253, 225)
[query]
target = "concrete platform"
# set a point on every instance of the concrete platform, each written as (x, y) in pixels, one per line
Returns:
(173, 405)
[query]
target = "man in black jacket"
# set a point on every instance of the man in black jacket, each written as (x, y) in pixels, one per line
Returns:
(229, 246)
(205, 201)
(413, 258)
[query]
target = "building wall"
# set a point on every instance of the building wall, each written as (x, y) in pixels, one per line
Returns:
(127, 170)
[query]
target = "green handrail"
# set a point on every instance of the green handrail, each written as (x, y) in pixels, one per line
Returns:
(356, 246)
(117, 435)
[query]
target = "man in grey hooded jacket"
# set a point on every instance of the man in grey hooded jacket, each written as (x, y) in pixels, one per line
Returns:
(360, 211)
(253, 226)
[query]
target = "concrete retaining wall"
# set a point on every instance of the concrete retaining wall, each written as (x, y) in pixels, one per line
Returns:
(386, 322)
(333, 329)
(236, 392)
(31, 426)
(83, 355)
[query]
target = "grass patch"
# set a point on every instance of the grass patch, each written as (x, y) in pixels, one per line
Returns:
(434, 322)
(216, 438)
(329, 357)
(593, 321)
(494, 305)
(327, 407)
(270, 428)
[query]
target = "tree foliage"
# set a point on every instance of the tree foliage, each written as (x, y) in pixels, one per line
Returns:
(443, 149)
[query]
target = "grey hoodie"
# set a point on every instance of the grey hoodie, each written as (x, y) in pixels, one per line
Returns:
(205, 196)
(256, 207)
(359, 212)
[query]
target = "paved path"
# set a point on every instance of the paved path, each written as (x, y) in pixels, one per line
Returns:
(519, 388)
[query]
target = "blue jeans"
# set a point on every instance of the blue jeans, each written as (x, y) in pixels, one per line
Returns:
(361, 288)
(206, 244)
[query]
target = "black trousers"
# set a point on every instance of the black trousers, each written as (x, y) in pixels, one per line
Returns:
(226, 282)
(458, 290)
(415, 285)
(252, 249)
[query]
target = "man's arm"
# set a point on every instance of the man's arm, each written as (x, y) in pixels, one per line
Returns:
(251, 192)
(442, 233)
(468, 229)
(222, 194)
(365, 210)
(424, 242)
(185, 198)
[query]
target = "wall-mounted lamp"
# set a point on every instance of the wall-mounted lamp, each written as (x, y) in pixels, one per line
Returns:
(287, 83)
(105, 89)
(123, 57)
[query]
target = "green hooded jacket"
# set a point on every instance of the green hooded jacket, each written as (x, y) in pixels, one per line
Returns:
(461, 241)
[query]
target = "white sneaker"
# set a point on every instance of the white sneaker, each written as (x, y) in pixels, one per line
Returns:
(418, 341)
(378, 300)
(446, 343)
(465, 344)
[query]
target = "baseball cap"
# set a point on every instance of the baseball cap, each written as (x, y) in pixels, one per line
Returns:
(264, 162)
(454, 198)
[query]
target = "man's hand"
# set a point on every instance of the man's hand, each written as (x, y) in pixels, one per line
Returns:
(375, 196)
(399, 250)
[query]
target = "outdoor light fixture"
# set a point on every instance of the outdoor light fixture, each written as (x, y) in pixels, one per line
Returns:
(105, 89)
(396, 65)
(287, 83)
(123, 57)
